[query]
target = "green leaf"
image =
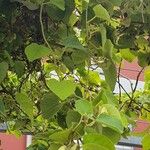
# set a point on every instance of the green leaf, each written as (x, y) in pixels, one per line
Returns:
(110, 74)
(98, 139)
(91, 77)
(143, 58)
(146, 142)
(91, 146)
(2, 107)
(116, 2)
(28, 4)
(19, 68)
(111, 134)
(103, 34)
(62, 89)
(107, 49)
(35, 51)
(84, 107)
(63, 147)
(3, 70)
(54, 146)
(111, 122)
(109, 98)
(79, 57)
(147, 74)
(72, 117)
(111, 110)
(50, 105)
(60, 136)
(127, 55)
(73, 19)
(25, 104)
(73, 42)
(87, 1)
(59, 3)
(101, 12)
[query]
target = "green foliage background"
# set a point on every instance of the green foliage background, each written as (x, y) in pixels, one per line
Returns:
(50, 51)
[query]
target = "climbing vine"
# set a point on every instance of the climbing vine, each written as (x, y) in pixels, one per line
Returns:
(59, 63)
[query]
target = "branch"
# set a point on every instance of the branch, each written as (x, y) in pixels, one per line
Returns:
(42, 26)
(137, 79)
(119, 69)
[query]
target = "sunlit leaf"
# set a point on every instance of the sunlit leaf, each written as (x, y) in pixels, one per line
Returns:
(111, 122)
(146, 142)
(84, 107)
(35, 51)
(62, 89)
(60, 136)
(101, 12)
(99, 140)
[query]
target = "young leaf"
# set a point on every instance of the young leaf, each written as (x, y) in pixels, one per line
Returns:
(25, 104)
(101, 12)
(111, 110)
(110, 122)
(146, 142)
(3, 70)
(98, 139)
(35, 51)
(50, 105)
(84, 107)
(127, 55)
(62, 89)
(92, 77)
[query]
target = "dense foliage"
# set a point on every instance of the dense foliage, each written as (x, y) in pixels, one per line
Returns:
(51, 84)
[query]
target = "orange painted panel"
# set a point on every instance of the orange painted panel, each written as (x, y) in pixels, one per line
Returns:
(10, 142)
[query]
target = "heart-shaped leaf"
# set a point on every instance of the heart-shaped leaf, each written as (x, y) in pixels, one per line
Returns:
(84, 107)
(99, 140)
(35, 51)
(62, 89)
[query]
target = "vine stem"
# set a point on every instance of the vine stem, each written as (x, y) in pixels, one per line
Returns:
(119, 70)
(42, 26)
(78, 123)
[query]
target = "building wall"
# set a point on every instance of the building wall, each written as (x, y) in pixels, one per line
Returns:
(11, 142)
